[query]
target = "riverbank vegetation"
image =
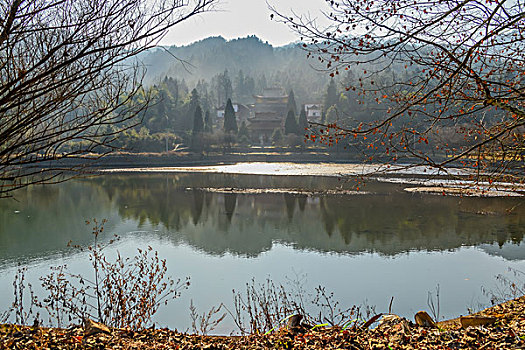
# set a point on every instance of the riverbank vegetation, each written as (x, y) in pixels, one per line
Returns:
(502, 327)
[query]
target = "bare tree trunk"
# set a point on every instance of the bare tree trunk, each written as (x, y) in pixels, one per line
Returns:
(70, 80)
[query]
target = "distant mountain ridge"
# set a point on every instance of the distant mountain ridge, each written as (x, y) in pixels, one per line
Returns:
(205, 58)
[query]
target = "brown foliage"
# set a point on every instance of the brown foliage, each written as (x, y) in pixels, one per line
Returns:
(67, 74)
(124, 292)
(430, 67)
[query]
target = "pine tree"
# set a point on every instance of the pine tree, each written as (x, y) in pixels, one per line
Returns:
(303, 122)
(331, 98)
(208, 127)
(207, 137)
(292, 106)
(230, 121)
(198, 124)
(198, 127)
(194, 101)
(192, 106)
(290, 124)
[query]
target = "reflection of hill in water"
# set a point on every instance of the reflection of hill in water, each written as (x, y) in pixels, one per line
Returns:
(389, 222)
(41, 220)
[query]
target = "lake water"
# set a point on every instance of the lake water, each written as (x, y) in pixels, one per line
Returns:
(366, 246)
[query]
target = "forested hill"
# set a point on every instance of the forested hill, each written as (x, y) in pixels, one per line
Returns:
(188, 84)
(286, 66)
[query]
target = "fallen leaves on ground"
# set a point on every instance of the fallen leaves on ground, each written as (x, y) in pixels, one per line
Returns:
(395, 333)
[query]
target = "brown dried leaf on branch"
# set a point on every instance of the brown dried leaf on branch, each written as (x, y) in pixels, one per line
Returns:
(443, 82)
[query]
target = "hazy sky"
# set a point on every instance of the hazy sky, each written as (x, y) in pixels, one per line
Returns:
(240, 18)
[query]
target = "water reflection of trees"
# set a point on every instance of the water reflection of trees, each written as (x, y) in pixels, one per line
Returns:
(230, 201)
(41, 220)
(404, 222)
(388, 222)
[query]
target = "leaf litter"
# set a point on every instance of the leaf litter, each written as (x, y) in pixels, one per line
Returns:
(393, 332)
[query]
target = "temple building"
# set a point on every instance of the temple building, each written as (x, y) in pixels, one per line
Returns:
(269, 114)
(314, 112)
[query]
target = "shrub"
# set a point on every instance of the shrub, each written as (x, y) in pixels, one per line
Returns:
(124, 292)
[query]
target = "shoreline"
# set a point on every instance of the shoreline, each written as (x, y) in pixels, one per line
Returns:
(505, 330)
(180, 159)
(416, 179)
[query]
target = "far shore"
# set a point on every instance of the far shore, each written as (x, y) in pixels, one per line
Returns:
(308, 162)
(179, 159)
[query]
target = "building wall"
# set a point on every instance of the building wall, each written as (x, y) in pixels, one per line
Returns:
(270, 113)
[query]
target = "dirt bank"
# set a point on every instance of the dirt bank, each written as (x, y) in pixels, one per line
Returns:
(507, 331)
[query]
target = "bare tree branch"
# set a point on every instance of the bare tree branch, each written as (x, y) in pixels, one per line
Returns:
(447, 76)
(70, 80)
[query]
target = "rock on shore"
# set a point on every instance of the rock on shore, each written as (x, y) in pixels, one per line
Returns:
(505, 331)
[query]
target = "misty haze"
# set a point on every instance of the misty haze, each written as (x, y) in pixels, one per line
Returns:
(351, 171)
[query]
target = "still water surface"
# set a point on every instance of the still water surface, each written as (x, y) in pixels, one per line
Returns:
(365, 247)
